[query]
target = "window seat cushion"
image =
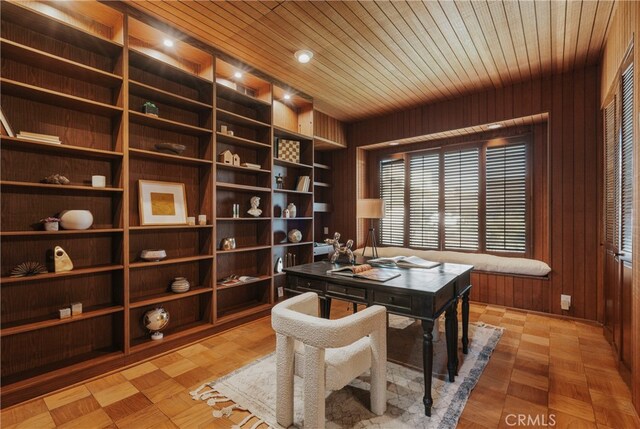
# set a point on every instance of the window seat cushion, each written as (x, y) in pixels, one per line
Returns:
(480, 261)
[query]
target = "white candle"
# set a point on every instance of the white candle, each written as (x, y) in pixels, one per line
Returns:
(98, 181)
(202, 219)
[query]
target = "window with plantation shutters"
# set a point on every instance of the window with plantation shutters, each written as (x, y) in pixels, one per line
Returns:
(506, 198)
(611, 175)
(461, 199)
(424, 197)
(626, 161)
(471, 197)
(392, 192)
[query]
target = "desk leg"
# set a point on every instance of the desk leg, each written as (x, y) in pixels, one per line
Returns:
(451, 323)
(427, 361)
(465, 322)
(325, 308)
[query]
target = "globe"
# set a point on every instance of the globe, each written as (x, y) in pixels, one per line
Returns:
(156, 319)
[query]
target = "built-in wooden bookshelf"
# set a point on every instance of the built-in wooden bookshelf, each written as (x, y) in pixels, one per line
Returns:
(243, 129)
(179, 82)
(66, 81)
(323, 195)
(292, 122)
(83, 74)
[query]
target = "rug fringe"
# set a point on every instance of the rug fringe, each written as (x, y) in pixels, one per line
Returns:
(213, 397)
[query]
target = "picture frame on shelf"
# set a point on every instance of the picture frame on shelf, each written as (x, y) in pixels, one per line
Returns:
(162, 203)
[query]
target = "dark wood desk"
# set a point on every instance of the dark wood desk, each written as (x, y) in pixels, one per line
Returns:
(418, 293)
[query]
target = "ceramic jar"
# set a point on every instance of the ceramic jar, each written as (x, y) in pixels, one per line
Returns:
(292, 210)
(180, 285)
(76, 219)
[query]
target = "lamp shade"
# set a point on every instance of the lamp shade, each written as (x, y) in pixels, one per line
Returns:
(370, 208)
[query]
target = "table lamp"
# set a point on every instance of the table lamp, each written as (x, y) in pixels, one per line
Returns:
(370, 208)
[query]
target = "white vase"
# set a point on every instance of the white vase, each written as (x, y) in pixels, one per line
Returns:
(292, 210)
(76, 219)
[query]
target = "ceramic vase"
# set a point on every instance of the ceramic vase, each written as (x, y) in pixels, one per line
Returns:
(292, 210)
(180, 285)
(76, 219)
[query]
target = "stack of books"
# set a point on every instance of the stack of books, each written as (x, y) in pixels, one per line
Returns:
(303, 184)
(44, 138)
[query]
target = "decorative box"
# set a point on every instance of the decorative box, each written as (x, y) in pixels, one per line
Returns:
(76, 308)
(289, 150)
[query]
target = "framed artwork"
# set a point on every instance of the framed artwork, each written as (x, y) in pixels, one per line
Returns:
(162, 203)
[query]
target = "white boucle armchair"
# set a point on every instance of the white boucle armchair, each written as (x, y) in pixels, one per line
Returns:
(328, 354)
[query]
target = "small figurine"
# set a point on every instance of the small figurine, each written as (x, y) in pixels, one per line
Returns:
(339, 250)
(254, 210)
(279, 181)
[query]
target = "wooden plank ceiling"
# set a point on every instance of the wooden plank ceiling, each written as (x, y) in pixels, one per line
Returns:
(374, 57)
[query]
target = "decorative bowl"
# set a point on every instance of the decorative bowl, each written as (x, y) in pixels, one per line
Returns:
(153, 254)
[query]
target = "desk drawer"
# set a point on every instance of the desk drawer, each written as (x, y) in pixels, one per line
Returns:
(389, 299)
(347, 291)
(309, 284)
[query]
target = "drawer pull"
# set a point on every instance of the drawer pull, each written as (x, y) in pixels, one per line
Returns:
(308, 284)
(392, 299)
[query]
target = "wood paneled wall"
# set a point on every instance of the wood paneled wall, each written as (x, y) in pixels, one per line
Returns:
(574, 167)
(326, 127)
(624, 29)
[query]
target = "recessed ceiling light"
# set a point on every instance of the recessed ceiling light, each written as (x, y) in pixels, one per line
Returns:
(287, 97)
(303, 56)
(394, 144)
(168, 43)
(494, 126)
(237, 75)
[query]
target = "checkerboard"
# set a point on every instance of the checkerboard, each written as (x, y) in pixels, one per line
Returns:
(289, 150)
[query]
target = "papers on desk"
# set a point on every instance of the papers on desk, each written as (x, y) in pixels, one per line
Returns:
(364, 271)
(405, 262)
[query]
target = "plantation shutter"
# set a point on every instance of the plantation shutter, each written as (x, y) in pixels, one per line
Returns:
(506, 199)
(461, 192)
(392, 192)
(424, 195)
(626, 161)
(611, 175)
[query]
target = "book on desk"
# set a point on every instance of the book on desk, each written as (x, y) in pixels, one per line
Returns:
(404, 262)
(364, 271)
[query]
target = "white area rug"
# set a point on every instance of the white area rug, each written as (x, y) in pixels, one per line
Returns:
(253, 387)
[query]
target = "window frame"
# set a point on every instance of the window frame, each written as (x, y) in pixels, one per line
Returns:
(482, 145)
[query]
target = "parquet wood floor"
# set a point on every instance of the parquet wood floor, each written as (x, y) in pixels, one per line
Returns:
(546, 369)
